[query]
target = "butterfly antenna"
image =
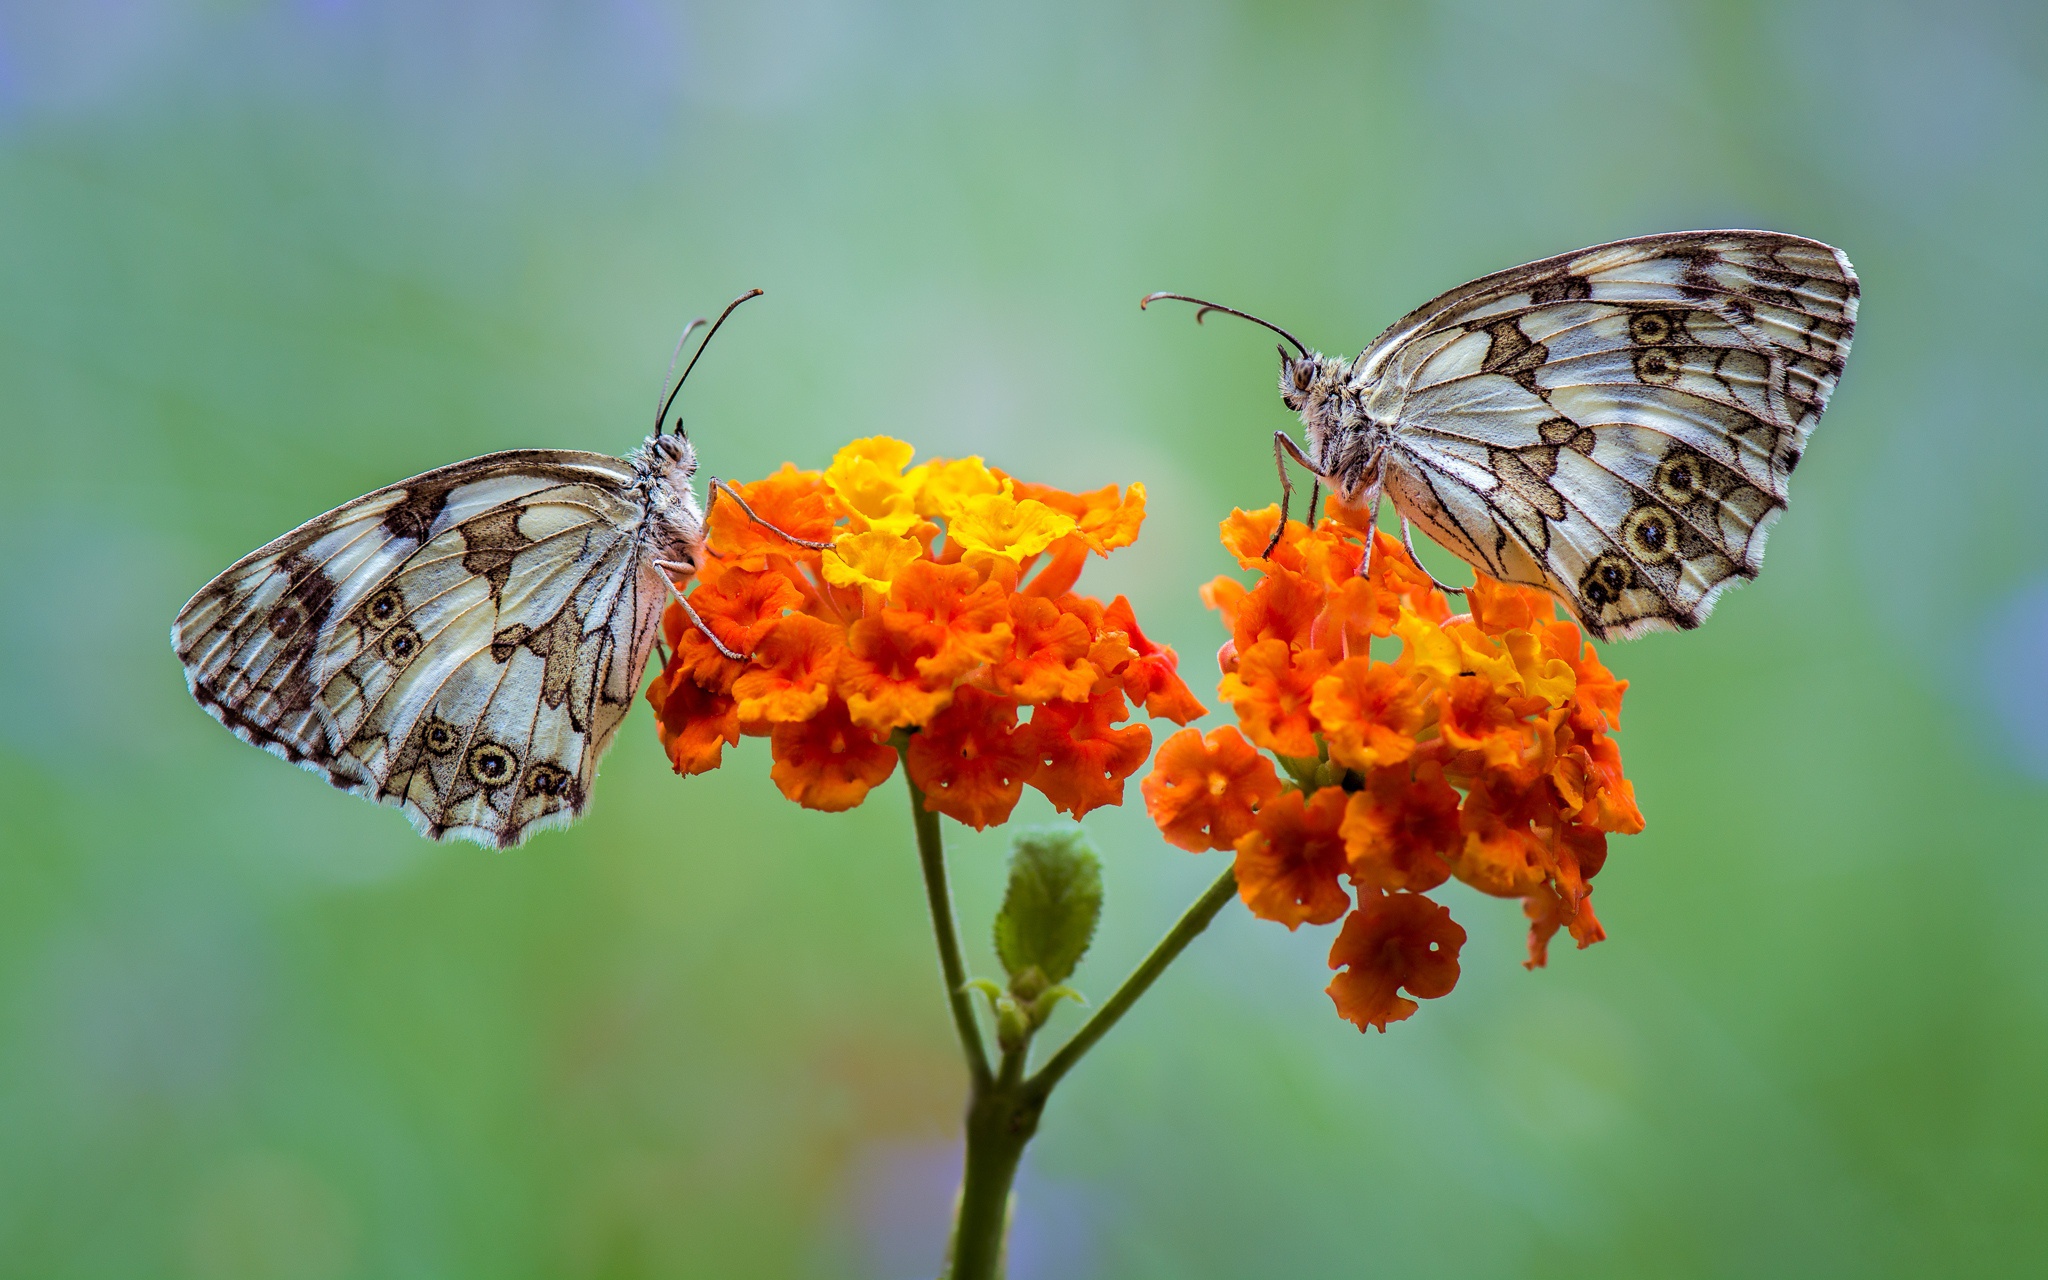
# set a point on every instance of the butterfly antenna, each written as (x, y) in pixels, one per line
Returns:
(667, 393)
(1203, 308)
(673, 391)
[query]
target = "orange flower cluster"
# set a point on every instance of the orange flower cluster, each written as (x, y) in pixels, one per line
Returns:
(943, 609)
(1480, 752)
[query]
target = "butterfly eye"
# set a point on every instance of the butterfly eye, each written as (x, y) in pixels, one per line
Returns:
(1304, 374)
(384, 607)
(492, 765)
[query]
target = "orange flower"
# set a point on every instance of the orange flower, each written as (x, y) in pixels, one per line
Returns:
(972, 617)
(1481, 752)
(1500, 853)
(827, 762)
(1203, 793)
(972, 760)
(1103, 521)
(1393, 942)
(796, 502)
(1283, 607)
(1051, 660)
(1288, 865)
(793, 679)
(1477, 715)
(1549, 911)
(1369, 712)
(1272, 690)
(1082, 760)
(1500, 607)
(923, 614)
(740, 605)
(696, 724)
(1397, 829)
(1153, 676)
(882, 671)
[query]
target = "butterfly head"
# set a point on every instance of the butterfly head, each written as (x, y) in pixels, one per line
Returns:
(667, 466)
(1314, 386)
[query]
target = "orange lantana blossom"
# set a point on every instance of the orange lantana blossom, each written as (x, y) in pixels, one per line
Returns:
(941, 618)
(1474, 747)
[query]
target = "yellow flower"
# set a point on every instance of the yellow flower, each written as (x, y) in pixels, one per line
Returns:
(1543, 675)
(942, 486)
(1483, 655)
(870, 559)
(1425, 644)
(867, 476)
(998, 524)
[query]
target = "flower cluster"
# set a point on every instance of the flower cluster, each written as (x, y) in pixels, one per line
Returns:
(1481, 752)
(942, 610)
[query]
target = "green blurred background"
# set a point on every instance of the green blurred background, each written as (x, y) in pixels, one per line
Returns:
(257, 258)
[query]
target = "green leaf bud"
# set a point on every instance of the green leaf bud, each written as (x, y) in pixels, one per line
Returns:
(1050, 908)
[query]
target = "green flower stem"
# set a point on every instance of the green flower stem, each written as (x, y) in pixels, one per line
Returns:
(931, 851)
(1003, 1105)
(1001, 1119)
(1191, 923)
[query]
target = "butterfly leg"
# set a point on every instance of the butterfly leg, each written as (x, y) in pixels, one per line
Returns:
(719, 486)
(1371, 498)
(1408, 541)
(666, 566)
(1283, 447)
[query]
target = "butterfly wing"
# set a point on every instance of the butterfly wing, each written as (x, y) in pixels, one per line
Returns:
(462, 644)
(1616, 425)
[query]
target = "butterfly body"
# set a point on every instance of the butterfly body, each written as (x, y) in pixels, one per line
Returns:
(1615, 425)
(461, 644)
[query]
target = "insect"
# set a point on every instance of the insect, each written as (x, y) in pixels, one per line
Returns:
(1616, 426)
(464, 643)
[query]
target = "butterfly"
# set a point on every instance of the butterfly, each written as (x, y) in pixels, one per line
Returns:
(462, 644)
(1616, 426)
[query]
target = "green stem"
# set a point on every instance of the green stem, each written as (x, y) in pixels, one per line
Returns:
(1003, 1110)
(931, 852)
(1196, 919)
(1001, 1119)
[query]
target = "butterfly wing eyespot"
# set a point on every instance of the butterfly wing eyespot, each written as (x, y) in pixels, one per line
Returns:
(1650, 328)
(384, 608)
(1680, 478)
(1605, 579)
(1651, 534)
(1678, 378)
(547, 780)
(492, 765)
(439, 737)
(1658, 366)
(400, 645)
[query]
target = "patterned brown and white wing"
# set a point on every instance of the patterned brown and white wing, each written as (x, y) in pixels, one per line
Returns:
(461, 644)
(1617, 425)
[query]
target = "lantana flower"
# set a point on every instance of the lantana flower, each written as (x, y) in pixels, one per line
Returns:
(1418, 746)
(940, 617)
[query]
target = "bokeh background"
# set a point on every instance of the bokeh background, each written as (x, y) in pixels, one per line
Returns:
(257, 258)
